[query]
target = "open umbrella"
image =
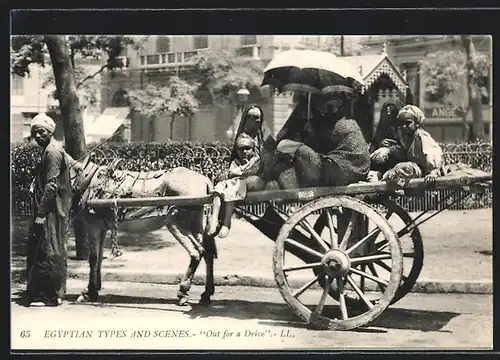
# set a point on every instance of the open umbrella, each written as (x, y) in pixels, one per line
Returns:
(313, 72)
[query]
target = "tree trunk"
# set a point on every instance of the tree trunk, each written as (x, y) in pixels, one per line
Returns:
(342, 50)
(172, 122)
(473, 89)
(72, 120)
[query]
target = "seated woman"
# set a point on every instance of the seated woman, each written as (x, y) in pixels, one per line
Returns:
(327, 149)
(385, 149)
(423, 156)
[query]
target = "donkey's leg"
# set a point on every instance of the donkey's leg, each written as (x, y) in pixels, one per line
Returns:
(102, 240)
(94, 227)
(209, 256)
(194, 253)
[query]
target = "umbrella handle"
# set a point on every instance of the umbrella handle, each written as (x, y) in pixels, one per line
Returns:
(308, 107)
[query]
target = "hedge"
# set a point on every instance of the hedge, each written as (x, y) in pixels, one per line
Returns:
(212, 159)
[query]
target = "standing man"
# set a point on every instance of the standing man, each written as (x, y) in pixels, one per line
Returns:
(51, 202)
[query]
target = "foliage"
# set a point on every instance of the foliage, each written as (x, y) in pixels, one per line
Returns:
(446, 73)
(177, 97)
(27, 50)
(222, 73)
(352, 45)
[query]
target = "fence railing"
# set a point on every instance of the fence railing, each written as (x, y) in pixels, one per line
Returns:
(214, 163)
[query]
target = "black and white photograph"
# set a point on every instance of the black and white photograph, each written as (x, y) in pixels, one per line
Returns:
(251, 192)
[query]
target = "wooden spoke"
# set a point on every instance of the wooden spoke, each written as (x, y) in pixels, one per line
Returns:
(303, 247)
(370, 258)
(381, 245)
(368, 276)
(388, 268)
(389, 214)
(359, 292)
(300, 291)
(348, 231)
(314, 234)
(321, 304)
(333, 238)
(409, 254)
(362, 280)
(375, 273)
(343, 307)
(302, 267)
(373, 234)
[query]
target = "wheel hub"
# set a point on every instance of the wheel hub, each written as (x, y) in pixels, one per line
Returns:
(336, 263)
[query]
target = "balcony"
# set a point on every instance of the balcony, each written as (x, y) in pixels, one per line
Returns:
(162, 60)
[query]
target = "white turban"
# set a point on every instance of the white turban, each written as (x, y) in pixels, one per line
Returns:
(43, 121)
(411, 112)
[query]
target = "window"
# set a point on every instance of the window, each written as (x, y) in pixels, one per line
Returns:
(248, 40)
(171, 58)
(245, 51)
(179, 57)
(17, 85)
(153, 59)
(163, 44)
(200, 42)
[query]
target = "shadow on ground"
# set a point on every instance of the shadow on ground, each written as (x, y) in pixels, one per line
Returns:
(269, 313)
(144, 241)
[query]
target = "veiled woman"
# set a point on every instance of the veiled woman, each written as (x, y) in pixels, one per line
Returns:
(51, 202)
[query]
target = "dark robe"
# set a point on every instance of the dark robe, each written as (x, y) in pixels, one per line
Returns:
(336, 152)
(47, 243)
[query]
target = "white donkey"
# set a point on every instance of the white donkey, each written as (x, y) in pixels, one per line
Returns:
(185, 223)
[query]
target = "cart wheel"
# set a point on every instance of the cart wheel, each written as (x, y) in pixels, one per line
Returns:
(411, 245)
(337, 262)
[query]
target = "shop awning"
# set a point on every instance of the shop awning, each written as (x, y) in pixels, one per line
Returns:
(108, 122)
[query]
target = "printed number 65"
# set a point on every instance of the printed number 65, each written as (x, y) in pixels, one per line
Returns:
(25, 334)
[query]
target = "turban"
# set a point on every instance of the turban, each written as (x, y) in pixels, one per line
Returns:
(411, 112)
(255, 112)
(244, 140)
(43, 121)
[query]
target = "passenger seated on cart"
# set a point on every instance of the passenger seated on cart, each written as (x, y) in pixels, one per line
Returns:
(385, 149)
(423, 156)
(326, 149)
(246, 162)
(253, 145)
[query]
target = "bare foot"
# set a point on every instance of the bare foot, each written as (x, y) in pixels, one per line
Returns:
(224, 232)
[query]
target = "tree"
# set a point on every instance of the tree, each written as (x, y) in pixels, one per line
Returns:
(446, 73)
(473, 86)
(340, 45)
(62, 51)
(222, 73)
(176, 98)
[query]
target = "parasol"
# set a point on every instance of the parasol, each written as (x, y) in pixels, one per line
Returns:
(313, 72)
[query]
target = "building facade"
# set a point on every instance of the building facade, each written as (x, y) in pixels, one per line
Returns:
(30, 97)
(164, 56)
(406, 51)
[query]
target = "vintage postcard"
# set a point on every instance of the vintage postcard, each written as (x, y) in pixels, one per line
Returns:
(251, 192)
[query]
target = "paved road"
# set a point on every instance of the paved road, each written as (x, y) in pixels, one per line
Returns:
(144, 316)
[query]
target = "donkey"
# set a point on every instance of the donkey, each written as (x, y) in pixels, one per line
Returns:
(93, 181)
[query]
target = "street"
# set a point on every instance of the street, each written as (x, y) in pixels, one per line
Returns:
(144, 316)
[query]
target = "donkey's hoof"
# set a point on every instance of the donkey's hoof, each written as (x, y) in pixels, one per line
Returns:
(205, 300)
(86, 297)
(82, 299)
(183, 301)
